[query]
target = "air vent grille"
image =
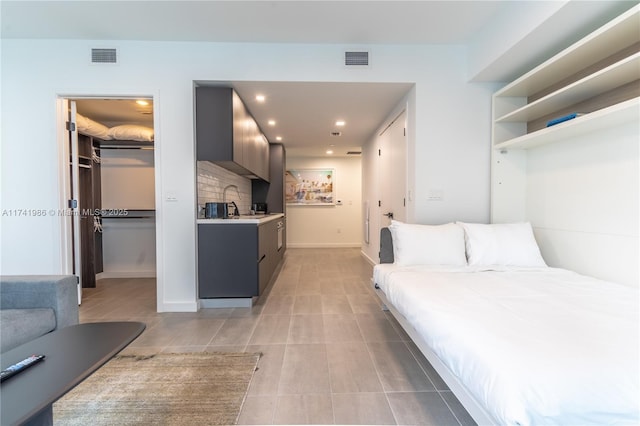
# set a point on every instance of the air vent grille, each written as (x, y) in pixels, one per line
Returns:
(335, 134)
(104, 56)
(354, 152)
(356, 58)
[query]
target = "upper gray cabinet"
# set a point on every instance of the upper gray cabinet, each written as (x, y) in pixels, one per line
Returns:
(227, 134)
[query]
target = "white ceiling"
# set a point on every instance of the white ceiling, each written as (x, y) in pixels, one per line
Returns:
(305, 112)
(388, 22)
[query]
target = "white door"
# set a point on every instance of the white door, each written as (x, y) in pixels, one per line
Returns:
(72, 191)
(392, 157)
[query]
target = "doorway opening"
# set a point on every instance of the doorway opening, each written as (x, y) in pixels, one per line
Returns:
(109, 182)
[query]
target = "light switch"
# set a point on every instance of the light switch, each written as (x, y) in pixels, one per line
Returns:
(435, 195)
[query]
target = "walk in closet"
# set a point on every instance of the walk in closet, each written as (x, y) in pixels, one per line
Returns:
(116, 188)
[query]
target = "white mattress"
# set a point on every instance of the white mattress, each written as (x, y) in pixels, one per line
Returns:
(536, 346)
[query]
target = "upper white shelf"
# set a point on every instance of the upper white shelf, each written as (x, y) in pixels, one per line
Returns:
(620, 33)
(609, 117)
(615, 75)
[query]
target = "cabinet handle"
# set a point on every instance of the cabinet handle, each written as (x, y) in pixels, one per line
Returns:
(262, 258)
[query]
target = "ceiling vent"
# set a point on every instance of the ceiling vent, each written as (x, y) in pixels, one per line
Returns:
(104, 56)
(336, 134)
(357, 59)
(354, 152)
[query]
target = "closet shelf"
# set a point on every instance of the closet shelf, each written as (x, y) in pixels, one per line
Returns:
(127, 214)
(609, 117)
(609, 78)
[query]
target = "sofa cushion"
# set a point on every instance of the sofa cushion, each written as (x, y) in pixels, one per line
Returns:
(18, 326)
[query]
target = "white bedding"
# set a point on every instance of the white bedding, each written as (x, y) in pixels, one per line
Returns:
(125, 132)
(534, 346)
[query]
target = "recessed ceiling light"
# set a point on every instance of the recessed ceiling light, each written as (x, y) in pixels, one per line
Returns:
(142, 102)
(260, 98)
(340, 123)
(329, 151)
(272, 122)
(278, 138)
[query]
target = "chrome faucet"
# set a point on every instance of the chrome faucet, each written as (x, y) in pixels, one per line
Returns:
(224, 198)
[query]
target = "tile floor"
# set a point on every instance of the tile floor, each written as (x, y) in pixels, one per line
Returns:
(330, 354)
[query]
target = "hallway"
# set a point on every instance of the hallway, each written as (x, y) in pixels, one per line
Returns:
(330, 354)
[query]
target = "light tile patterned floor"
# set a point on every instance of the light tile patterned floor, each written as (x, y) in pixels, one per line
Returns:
(330, 354)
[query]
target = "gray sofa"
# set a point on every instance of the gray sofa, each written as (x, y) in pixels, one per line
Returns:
(33, 305)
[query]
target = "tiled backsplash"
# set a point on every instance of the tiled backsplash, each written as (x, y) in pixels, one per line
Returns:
(212, 180)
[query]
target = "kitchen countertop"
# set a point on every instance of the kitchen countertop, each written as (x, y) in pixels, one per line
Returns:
(257, 219)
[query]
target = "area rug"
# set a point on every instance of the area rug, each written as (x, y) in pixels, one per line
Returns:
(163, 389)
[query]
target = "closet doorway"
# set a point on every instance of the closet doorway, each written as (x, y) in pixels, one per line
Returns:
(111, 187)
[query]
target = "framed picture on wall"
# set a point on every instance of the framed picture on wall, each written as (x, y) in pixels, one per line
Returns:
(310, 187)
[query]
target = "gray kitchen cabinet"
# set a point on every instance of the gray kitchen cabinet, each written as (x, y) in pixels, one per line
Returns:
(265, 241)
(272, 192)
(228, 260)
(227, 134)
(237, 260)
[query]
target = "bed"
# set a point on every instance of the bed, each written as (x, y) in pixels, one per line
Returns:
(518, 342)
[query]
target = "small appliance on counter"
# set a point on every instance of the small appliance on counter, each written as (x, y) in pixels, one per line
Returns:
(259, 208)
(216, 211)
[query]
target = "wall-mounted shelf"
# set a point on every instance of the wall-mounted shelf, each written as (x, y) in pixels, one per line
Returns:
(598, 76)
(605, 80)
(619, 34)
(612, 116)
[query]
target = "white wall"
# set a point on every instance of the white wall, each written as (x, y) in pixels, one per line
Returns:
(448, 141)
(128, 248)
(127, 179)
(127, 183)
(583, 198)
(328, 226)
(518, 19)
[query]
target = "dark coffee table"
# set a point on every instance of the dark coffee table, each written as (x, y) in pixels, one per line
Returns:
(72, 354)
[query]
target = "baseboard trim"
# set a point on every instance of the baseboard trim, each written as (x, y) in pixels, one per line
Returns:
(226, 303)
(126, 274)
(323, 245)
(178, 307)
(368, 259)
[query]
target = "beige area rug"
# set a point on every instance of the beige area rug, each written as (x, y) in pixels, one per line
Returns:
(201, 388)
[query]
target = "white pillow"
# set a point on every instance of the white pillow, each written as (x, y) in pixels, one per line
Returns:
(132, 132)
(415, 244)
(509, 244)
(88, 127)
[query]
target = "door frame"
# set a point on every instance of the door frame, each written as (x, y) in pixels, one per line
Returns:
(400, 117)
(66, 240)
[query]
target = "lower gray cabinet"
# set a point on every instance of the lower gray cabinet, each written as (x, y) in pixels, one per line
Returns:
(227, 260)
(236, 260)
